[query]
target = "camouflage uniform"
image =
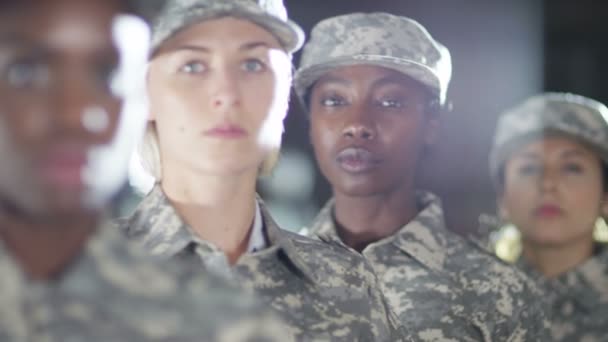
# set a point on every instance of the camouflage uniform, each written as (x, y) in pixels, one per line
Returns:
(577, 299)
(444, 288)
(322, 291)
(114, 292)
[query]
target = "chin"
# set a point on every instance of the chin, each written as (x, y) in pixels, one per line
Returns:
(359, 189)
(551, 237)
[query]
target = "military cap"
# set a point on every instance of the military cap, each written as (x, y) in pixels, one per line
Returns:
(380, 39)
(177, 15)
(574, 116)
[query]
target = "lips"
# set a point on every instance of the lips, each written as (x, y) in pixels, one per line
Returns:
(357, 160)
(226, 131)
(63, 166)
(548, 211)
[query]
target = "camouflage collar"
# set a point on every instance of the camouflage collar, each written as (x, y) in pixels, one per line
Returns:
(587, 284)
(424, 238)
(159, 228)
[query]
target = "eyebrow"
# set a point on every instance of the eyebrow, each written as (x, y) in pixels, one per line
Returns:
(254, 45)
(390, 80)
(573, 153)
(330, 79)
(204, 49)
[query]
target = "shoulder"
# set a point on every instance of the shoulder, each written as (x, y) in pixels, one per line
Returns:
(331, 261)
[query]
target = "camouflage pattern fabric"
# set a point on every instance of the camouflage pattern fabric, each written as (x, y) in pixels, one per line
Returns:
(443, 287)
(323, 291)
(115, 292)
(577, 300)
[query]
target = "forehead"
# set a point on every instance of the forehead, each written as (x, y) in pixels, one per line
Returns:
(368, 75)
(553, 145)
(59, 23)
(221, 33)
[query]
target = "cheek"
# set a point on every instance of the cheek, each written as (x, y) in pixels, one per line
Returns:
(26, 117)
(323, 138)
(518, 201)
(584, 199)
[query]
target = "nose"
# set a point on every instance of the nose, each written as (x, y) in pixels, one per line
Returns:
(360, 125)
(225, 91)
(549, 180)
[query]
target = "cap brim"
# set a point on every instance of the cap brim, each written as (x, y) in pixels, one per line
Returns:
(306, 77)
(288, 33)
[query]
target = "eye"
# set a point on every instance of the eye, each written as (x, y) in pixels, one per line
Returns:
(572, 168)
(193, 67)
(23, 74)
(332, 101)
(253, 65)
(390, 103)
(528, 169)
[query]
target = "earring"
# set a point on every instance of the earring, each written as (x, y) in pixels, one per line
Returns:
(600, 232)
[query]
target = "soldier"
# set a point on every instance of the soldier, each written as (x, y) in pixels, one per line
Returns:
(218, 82)
(65, 67)
(549, 165)
(374, 85)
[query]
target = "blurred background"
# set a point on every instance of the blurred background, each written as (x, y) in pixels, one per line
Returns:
(502, 51)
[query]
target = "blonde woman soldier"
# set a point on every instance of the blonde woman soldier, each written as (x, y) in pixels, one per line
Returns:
(219, 82)
(374, 85)
(549, 164)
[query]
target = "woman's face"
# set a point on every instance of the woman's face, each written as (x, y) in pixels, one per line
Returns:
(553, 191)
(218, 94)
(368, 128)
(62, 128)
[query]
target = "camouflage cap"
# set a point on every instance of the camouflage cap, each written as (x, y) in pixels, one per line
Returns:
(269, 14)
(574, 116)
(380, 39)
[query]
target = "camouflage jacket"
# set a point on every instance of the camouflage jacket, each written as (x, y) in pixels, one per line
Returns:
(577, 300)
(114, 292)
(322, 291)
(445, 288)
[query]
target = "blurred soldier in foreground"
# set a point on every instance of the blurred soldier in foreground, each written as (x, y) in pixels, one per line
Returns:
(65, 138)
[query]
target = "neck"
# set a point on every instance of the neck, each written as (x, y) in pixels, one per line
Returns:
(46, 247)
(552, 261)
(220, 209)
(364, 220)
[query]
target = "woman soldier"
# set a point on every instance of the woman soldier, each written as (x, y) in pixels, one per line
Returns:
(374, 85)
(219, 82)
(549, 164)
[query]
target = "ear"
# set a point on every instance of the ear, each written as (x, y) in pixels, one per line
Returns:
(604, 207)
(503, 212)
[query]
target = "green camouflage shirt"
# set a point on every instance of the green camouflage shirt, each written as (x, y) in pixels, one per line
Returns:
(114, 292)
(322, 291)
(445, 288)
(577, 300)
